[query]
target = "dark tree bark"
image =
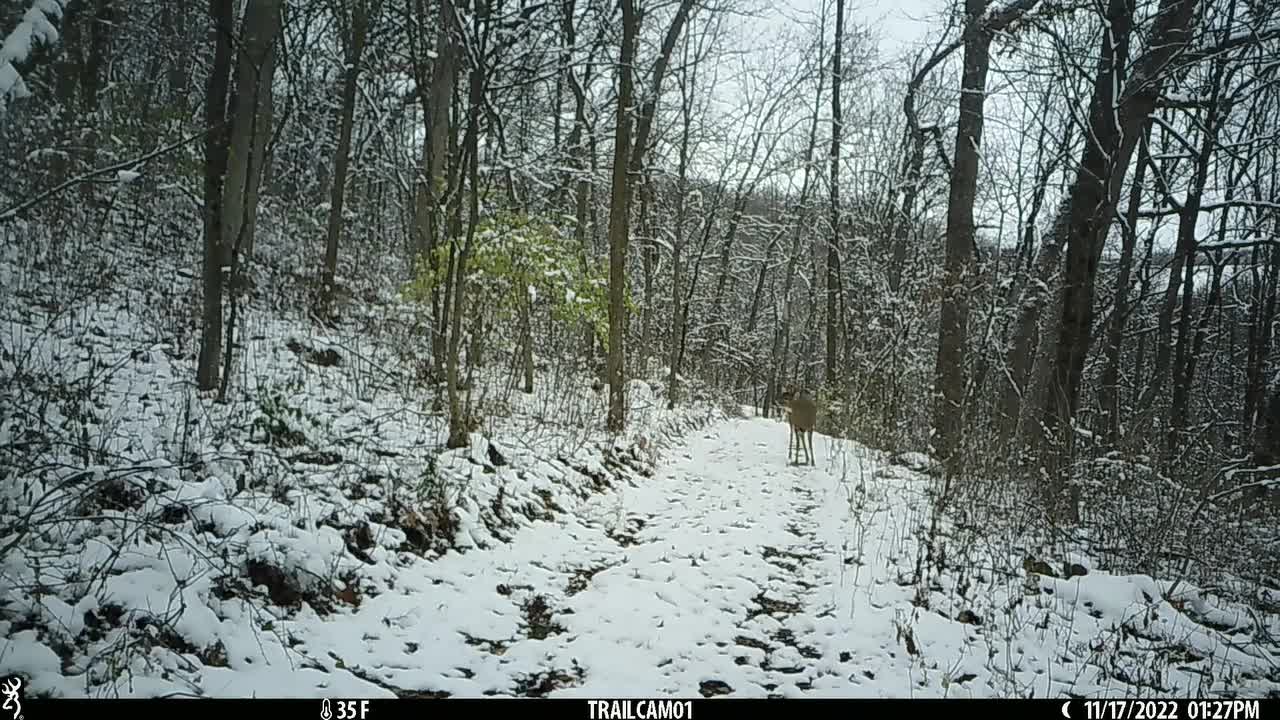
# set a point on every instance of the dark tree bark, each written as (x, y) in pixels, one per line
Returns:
(678, 310)
(354, 37)
(580, 145)
(431, 206)
(913, 165)
(1109, 389)
(92, 73)
(459, 425)
(1188, 218)
(1118, 109)
(253, 108)
(648, 259)
(619, 215)
(215, 170)
(628, 161)
(833, 247)
(1263, 291)
(949, 370)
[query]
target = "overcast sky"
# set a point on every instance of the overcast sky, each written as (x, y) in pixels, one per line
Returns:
(902, 23)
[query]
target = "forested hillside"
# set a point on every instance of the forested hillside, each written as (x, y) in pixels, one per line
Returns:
(414, 347)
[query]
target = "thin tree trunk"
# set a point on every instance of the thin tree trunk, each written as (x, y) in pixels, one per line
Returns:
(950, 371)
(1188, 218)
(215, 169)
(459, 426)
(354, 50)
(251, 125)
(435, 194)
(628, 161)
(648, 258)
(91, 77)
(833, 246)
(1109, 389)
(619, 211)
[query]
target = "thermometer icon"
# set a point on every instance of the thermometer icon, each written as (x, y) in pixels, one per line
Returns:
(324, 710)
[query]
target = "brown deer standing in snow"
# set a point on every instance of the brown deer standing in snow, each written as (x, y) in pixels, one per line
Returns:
(802, 416)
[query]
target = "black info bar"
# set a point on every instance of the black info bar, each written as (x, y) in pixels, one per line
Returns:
(649, 708)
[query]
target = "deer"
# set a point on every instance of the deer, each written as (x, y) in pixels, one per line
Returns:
(802, 416)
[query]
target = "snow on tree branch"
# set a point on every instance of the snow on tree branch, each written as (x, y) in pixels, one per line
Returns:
(36, 28)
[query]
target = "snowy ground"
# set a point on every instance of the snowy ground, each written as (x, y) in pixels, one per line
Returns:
(727, 572)
(738, 574)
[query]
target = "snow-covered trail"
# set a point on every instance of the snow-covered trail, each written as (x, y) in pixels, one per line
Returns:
(729, 571)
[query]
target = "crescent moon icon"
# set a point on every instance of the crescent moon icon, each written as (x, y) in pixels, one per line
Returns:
(1065, 706)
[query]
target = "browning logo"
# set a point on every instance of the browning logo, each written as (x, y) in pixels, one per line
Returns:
(11, 690)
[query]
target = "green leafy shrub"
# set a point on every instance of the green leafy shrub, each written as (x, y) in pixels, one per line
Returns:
(520, 263)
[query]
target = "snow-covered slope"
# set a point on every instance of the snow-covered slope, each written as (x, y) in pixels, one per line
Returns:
(725, 572)
(132, 574)
(154, 540)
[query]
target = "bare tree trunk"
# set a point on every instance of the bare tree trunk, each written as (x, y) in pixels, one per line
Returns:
(954, 314)
(215, 169)
(1144, 290)
(833, 247)
(526, 340)
(979, 29)
(459, 425)
(92, 71)
(179, 73)
(67, 76)
(1188, 218)
(1112, 138)
(251, 125)
(353, 46)
(719, 324)
(627, 161)
(913, 165)
(678, 312)
(581, 145)
(1212, 307)
(961, 248)
(904, 217)
(1262, 313)
(619, 212)
(1109, 389)
(648, 258)
(434, 195)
